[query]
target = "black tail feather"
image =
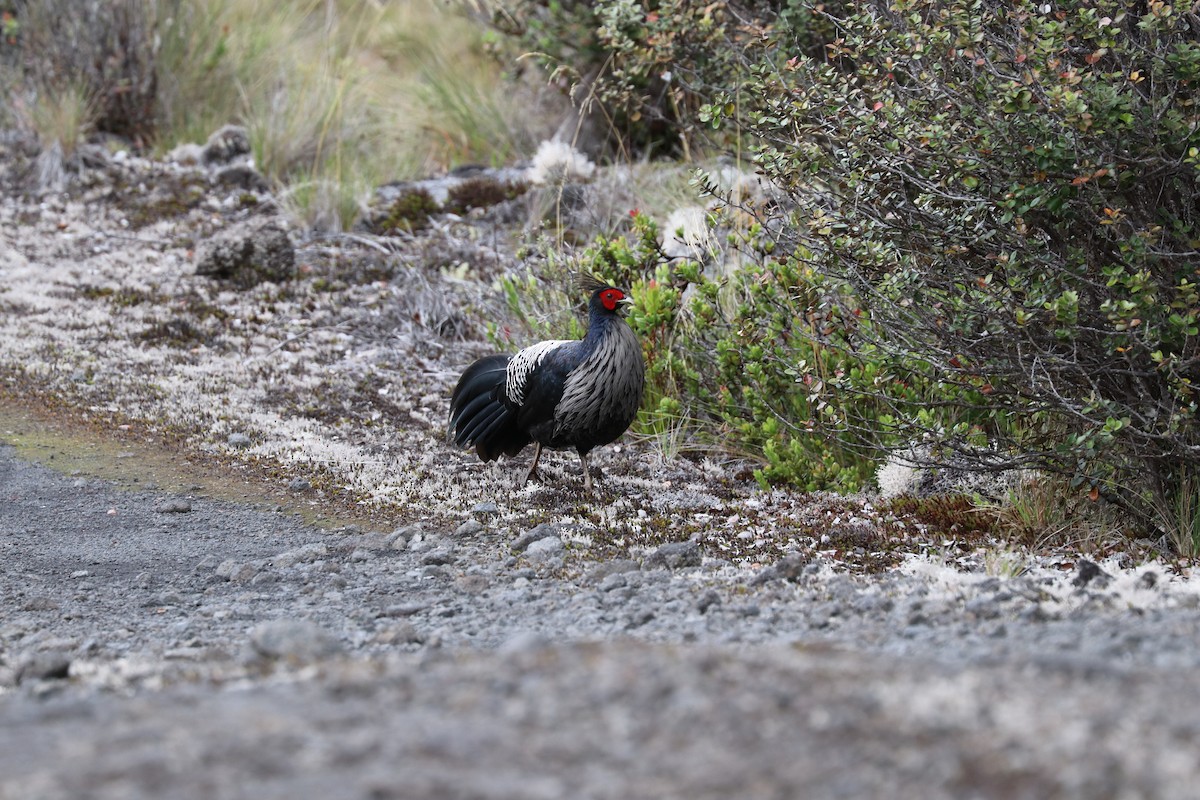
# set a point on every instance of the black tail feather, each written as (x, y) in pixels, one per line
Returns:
(471, 415)
(477, 425)
(478, 414)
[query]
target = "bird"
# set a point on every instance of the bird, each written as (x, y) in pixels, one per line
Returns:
(557, 394)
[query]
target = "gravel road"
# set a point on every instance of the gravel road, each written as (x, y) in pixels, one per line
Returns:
(173, 645)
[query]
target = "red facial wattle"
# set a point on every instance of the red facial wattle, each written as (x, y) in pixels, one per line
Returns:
(610, 299)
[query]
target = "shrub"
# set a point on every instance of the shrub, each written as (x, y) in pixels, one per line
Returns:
(1007, 195)
(649, 64)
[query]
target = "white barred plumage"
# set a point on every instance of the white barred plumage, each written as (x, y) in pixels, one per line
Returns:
(523, 364)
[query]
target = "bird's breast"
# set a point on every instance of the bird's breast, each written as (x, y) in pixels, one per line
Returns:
(601, 396)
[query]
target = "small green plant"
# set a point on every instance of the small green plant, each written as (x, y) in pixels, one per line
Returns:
(408, 213)
(1004, 562)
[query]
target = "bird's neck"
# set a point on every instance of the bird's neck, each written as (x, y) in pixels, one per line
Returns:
(599, 326)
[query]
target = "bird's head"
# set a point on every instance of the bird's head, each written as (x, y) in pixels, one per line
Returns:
(611, 300)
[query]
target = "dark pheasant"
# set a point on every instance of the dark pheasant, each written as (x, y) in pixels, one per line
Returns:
(559, 394)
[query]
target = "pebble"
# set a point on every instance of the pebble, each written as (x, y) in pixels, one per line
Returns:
(542, 531)
(295, 640)
(469, 528)
(439, 556)
(232, 570)
(40, 603)
(707, 600)
(605, 568)
(542, 550)
(485, 508)
(675, 555)
(43, 667)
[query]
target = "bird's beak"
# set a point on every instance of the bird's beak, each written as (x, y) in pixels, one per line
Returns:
(623, 306)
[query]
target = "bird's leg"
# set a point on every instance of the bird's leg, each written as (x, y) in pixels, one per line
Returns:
(587, 476)
(537, 452)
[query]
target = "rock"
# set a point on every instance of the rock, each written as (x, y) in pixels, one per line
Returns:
(484, 509)
(542, 531)
(468, 528)
(618, 565)
(43, 667)
(247, 254)
(40, 603)
(174, 507)
(439, 556)
(299, 485)
(675, 555)
(789, 568)
(244, 177)
(295, 640)
(1089, 573)
(544, 549)
(708, 600)
(301, 554)
(231, 570)
(399, 538)
(226, 144)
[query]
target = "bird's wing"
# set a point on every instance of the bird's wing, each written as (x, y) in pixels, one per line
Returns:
(543, 389)
(523, 366)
